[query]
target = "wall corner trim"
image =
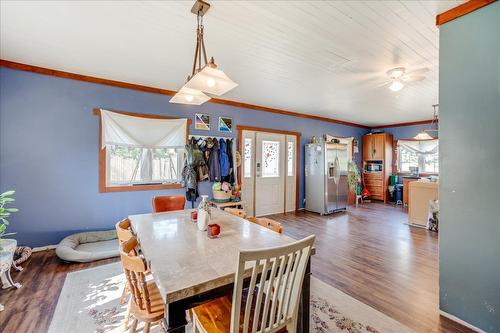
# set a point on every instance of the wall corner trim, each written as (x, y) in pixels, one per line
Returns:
(461, 10)
(412, 123)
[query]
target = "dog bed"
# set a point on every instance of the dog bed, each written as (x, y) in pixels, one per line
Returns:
(88, 246)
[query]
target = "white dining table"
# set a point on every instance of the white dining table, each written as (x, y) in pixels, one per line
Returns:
(190, 268)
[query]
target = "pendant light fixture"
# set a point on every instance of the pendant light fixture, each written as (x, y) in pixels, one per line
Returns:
(424, 135)
(205, 76)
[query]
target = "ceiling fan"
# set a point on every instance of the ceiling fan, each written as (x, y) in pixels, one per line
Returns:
(398, 77)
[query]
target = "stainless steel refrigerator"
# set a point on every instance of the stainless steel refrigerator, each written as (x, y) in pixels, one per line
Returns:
(326, 177)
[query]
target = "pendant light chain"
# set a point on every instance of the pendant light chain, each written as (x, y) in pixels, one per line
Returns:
(200, 48)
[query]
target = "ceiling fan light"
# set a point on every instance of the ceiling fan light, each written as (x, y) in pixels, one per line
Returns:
(396, 85)
(212, 81)
(189, 96)
(422, 136)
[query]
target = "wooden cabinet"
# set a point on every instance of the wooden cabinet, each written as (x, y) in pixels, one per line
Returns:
(406, 187)
(420, 193)
(374, 146)
(377, 147)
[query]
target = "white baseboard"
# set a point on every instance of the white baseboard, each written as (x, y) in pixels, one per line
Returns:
(460, 321)
(44, 248)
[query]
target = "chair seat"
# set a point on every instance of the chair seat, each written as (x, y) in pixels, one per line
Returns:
(215, 316)
(157, 306)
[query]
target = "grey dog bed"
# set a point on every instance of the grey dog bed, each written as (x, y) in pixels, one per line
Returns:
(88, 246)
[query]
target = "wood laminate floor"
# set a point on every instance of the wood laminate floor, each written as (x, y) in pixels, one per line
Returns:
(369, 253)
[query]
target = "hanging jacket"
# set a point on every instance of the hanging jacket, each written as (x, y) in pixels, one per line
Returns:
(224, 159)
(229, 148)
(214, 164)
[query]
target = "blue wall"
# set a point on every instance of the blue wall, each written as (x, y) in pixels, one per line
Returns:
(469, 235)
(49, 150)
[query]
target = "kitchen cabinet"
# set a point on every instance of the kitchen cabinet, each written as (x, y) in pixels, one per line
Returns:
(377, 147)
(374, 146)
(406, 187)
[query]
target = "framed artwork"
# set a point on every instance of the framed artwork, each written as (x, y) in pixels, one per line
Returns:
(202, 121)
(225, 124)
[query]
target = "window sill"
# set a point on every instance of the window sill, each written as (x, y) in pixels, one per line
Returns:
(420, 174)
(145, 187)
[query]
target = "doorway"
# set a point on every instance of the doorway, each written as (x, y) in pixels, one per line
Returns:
(268, 173)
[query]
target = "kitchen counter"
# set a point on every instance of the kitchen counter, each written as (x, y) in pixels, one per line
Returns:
(420, 192)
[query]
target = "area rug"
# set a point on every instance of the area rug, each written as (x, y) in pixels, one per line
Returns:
(90, 302)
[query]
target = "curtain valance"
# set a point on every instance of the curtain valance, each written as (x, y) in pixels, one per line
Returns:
(132, 131)
(420, 147)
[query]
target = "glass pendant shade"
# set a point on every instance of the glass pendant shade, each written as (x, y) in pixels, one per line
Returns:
(212, 81)
(423, 136)
(396, 85)
(189, 96)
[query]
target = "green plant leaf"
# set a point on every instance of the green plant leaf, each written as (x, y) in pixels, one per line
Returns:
(8, 193)
(11, 210)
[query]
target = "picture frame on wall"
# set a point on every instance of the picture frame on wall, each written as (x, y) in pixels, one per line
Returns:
(202, 121)
(225, 124)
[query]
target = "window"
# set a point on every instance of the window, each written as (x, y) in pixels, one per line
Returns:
(140, 152)
(133, 166)
(247, 158)
(421, 154)
(270, 159)
(289, 160)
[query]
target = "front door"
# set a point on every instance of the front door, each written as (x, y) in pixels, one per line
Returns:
(270, 173)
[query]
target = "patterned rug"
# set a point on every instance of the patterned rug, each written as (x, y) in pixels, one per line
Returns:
(89, 302)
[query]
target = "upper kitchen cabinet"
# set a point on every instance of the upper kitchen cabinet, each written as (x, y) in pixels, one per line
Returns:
(374, 146)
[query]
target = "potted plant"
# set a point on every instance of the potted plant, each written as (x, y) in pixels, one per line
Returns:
(353, 178)
(6, 199)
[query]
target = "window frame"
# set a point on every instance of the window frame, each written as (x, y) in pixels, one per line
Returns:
(396, 161)
(103, 186)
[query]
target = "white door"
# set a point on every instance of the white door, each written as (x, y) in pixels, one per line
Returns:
(270, 173)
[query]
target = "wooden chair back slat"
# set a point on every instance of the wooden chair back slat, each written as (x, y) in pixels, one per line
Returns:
(267, 223)
(135, 268)
(236, 212)
(276, 292)
(123, 230)
(167, 203)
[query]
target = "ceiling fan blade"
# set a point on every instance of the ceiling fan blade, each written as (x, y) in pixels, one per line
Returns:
(413, 78)
(418, 71)
(382, 84)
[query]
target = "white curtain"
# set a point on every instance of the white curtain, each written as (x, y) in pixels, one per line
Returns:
(425, 147)
(125, 130)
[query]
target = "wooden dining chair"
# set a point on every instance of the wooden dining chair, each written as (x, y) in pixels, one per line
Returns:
(124, 233)
(146, 303)
(267, 223)
(167, 203)
(237, 212)
(271, 310)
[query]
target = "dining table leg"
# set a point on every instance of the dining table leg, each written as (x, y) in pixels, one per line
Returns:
(175, 318)
(305, 301)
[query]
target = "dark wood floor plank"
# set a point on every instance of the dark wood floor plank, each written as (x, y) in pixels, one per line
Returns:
(368, 253)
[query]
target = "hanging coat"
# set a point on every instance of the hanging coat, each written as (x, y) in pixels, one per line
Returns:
(214, 163)
(229, 148)
(224, 159)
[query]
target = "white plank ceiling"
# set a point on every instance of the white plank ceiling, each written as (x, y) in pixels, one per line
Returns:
(326, 58)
